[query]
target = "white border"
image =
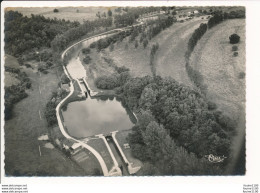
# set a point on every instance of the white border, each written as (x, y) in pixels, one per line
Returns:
(201, 184)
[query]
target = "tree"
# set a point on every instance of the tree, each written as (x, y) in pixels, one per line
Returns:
(136, 44)
(234, 39)
(55, 10)
(98, 14)
(145, 43)
(109, 13)
(111, 47)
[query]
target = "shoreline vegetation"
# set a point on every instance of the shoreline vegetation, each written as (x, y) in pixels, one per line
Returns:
(186, 124)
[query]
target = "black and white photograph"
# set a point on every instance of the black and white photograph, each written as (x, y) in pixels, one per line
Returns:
(126, 91)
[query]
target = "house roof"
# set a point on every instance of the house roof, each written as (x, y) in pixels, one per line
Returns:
(75, 145)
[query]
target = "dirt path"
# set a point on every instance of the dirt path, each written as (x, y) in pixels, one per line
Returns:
(173, 45)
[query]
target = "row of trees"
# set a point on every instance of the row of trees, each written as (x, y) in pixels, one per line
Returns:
(195, 75)
(106, 42)
(24, 33)
(219, 16)
(197, 34)
(154, 49)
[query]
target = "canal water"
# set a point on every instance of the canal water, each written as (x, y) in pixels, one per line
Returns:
(99, 115)
(95, 116)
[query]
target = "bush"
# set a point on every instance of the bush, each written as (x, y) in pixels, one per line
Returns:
(234, 39)
(85, 50)
(111, 47)
(211, 106)
(234, 48)
(28, 65)
(235, 54)
(241, 75)
(65, 79)
(107, 82)
(136, 44)
(145, 43)
(92, 45)
(87, 60)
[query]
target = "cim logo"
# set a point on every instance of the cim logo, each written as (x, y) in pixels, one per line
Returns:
(215, 159)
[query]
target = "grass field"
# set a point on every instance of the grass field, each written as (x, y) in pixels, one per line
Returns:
(24, 154)
(213, 57)
(79, 14)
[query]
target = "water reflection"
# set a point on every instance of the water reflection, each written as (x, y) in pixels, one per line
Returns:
(97, 115)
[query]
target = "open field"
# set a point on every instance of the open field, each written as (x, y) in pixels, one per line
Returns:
(79, 14)
(213, 58)
(11, 62)
(28, 123)
(10, 79)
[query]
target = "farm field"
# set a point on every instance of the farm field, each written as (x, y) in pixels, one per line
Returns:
(213, 58)
(67, 13)
(22, 132)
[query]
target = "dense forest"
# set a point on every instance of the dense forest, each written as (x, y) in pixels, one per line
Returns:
(24, 33)
(174, 116)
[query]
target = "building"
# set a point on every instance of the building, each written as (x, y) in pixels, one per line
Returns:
(75, 148)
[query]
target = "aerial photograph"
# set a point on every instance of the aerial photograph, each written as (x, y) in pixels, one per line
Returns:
(124, 91)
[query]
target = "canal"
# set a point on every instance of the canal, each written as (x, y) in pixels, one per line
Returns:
(94, 115)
